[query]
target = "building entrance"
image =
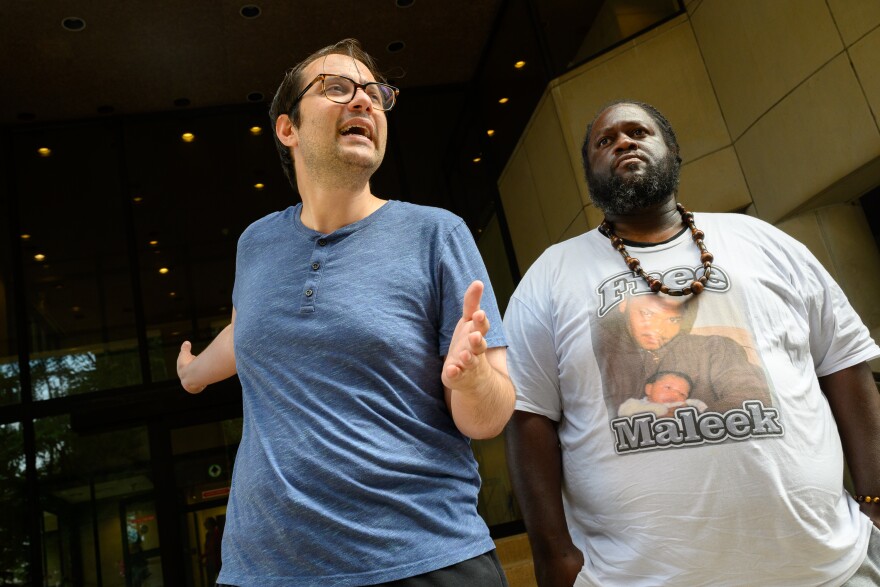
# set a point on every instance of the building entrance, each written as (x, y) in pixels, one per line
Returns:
(203, 458)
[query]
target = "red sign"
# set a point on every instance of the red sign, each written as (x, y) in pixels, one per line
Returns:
(215, 492)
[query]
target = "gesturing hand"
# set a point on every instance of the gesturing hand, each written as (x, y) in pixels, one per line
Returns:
(183, 360)
(466, 365)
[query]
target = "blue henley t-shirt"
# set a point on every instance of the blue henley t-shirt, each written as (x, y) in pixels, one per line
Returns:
(350, 469)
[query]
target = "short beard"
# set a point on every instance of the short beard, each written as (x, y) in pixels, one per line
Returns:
(616, 195)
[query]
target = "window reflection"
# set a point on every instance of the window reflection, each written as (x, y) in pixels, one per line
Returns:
(95, 491)
(76, 268)
(9, 384)
(188, 219)
(13, 522)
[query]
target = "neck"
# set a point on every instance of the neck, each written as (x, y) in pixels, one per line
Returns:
(334, 196)
(326, 210)
(653, 224)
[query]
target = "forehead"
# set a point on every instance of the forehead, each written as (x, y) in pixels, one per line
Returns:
(622, 115)
(656, 305)
(339, 64)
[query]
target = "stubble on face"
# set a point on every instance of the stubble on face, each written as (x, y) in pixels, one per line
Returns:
(624, 194)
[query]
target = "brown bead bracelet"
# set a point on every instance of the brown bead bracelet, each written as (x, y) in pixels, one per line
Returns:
(866, 499)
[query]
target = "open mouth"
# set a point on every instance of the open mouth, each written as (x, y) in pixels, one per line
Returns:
(356, 129)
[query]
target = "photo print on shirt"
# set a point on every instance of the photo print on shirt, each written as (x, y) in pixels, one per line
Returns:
(679, 371)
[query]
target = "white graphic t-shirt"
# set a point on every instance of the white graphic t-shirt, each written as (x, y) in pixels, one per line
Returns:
(698, 448)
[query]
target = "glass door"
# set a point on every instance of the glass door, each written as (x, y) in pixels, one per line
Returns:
(204, 535)
(140, 536)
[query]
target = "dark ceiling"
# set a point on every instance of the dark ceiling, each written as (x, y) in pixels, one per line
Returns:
(137, 56)
(63, 60)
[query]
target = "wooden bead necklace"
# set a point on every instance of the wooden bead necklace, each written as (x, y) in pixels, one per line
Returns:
(706, 258)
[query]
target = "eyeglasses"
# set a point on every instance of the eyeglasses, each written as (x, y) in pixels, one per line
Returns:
(340, 89)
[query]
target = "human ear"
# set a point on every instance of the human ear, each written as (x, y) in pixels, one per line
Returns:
(286, 131)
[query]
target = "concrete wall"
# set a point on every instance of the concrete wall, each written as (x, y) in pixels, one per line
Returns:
(777, 109)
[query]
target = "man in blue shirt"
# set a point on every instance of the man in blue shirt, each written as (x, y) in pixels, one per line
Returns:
(361, 335)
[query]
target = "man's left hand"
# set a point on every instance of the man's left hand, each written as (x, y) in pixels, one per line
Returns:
(466, 367)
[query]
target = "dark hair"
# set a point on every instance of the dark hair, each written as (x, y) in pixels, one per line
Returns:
(665, 129)
(653, 378)
(291, 86)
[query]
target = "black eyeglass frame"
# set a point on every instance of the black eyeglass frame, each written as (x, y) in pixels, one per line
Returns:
(324, 76)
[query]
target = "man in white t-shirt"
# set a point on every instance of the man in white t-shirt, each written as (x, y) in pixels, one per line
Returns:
(749, 490)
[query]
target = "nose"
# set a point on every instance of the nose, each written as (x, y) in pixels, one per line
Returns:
(624, 142)
(361, 101)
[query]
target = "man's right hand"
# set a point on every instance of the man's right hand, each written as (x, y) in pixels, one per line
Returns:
(215, 363)
(184, 359)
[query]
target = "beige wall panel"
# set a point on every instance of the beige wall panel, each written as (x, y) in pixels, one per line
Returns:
(819, 134)
(854, 18)
(757, 51)
(805, 228)
(692, 5)
(855, 257)
(714, 183)
(572, 147)
(593, 215)
(577, 226)
(491, 247)
(522, 210)
(665, 70)
(839, 236)
(865, 57)
(551, 169)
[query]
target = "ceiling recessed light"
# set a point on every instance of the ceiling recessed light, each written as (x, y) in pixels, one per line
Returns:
(519, 64)
(164, 270)
(490, 132)
(76, 308)
(255, 97)
(503, 100)
(154, 243)
(25, 237)
(44, 151)
(404, 3)
(187, 137)
(39, 257)
(396, 46)
(137, 199)
(477, 159)
(259, 186)
(250, 11)
(73, 24)
(256, 131)
(172, 294)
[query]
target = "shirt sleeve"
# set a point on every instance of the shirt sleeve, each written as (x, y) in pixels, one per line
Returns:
(531, 355)
(838, 337)
(460, 264)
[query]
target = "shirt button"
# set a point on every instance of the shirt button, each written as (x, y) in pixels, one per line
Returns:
(309, 293)
(316, 266)
(321, 242)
